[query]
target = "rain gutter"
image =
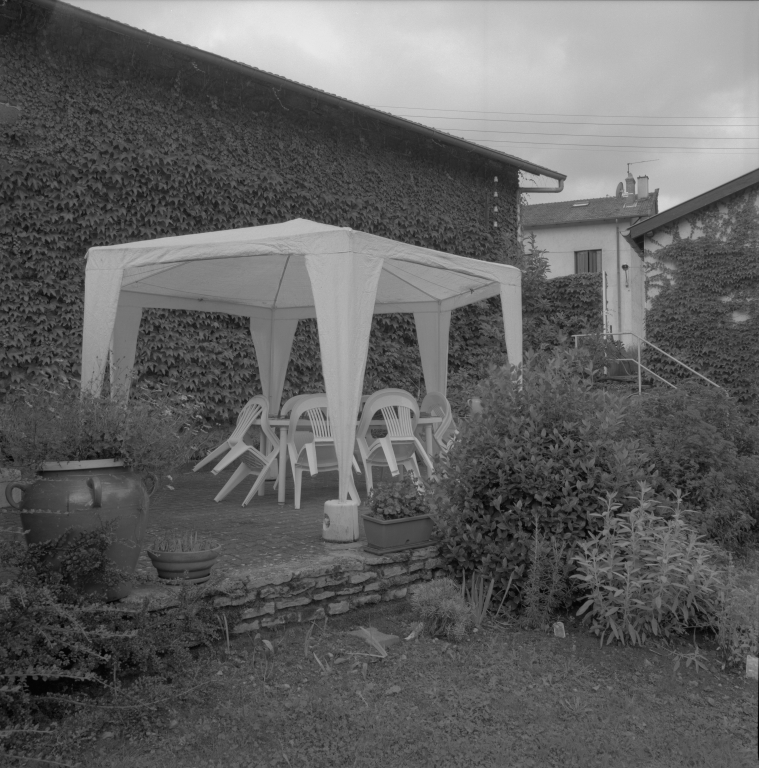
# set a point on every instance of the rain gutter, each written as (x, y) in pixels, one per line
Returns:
(534, 190)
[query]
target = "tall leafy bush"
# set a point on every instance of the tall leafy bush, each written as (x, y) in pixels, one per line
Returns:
(645, 574)
(702, 444)
(545, 451)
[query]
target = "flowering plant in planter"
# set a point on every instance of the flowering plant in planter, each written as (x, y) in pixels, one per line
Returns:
(189, 541)
(399, 498)
(187, 556)
(399, 516)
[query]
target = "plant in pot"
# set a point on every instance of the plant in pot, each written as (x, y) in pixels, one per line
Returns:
(399, 516)
(85, 460)
(188, 556)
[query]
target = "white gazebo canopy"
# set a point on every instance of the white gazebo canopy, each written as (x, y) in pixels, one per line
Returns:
(277, 274)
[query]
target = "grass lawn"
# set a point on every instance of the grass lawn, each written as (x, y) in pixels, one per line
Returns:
(504, 697)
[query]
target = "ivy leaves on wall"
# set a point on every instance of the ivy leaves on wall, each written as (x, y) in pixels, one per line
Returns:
(706, 312)
(96, 160)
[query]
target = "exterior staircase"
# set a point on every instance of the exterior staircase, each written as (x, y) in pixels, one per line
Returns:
(632, 370)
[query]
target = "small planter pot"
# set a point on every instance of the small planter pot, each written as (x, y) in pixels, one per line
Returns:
(189, 567)
(386, 536)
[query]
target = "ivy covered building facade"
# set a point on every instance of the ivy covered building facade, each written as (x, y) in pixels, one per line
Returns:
(702, 265)
(117, 135)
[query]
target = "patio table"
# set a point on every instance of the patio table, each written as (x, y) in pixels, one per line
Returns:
(428, 422)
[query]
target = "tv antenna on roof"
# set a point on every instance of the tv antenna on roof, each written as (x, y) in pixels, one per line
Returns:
(638, 162)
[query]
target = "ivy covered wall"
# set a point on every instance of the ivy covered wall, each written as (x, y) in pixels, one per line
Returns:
(123, 139)
(704, 283)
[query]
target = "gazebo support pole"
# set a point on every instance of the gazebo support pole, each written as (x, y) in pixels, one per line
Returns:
(123, 349)
(273, 341)
(432, 334)
(511, 307)
(344, 286)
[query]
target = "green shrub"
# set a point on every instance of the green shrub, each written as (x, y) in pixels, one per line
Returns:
(401, 497)
(550, 449)
(150, 432)
(51, 631)
(737, 619)
(546, 587)
(645, 573)
(702, 444)
(443, 609)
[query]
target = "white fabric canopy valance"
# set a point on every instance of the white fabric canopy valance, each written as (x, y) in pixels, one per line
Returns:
(277, 274)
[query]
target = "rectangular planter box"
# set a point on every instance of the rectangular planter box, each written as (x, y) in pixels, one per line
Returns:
(385, 536)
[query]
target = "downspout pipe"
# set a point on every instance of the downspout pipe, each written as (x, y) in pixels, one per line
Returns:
(619, 285)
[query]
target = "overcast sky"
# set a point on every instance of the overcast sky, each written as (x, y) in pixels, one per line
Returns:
(684, 76)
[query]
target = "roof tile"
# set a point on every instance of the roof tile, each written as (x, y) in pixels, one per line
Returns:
(597, 209)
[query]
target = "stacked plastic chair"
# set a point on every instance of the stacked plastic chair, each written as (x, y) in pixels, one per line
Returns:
(400, 446)
(313, 450)
(254, 461)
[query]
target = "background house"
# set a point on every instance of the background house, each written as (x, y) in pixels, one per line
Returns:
(123, 135)
(580, 236)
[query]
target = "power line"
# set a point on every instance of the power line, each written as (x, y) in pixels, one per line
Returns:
(725, 150)
(598, 135)
(584, 122)
(566, 114)
(683, 151)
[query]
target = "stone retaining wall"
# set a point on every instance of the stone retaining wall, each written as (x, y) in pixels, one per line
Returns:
(296, 592)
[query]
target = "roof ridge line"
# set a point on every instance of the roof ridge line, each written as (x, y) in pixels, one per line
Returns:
(388, 117)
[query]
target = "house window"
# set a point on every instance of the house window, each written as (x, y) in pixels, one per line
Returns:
(587, 261)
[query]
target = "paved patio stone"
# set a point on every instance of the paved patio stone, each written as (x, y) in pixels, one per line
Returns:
(273, 558)
(255, 538)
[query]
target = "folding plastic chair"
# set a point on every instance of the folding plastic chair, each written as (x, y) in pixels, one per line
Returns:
(436, 404)
(253, 460)
(400, 446)
(313, 450)
(249, 413)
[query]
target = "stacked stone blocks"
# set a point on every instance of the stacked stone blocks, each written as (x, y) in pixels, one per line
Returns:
(313, 593)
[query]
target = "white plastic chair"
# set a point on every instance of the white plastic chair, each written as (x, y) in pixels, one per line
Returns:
(249, 413)
(313, 450)
(253, 460)
(436, 404)
(400, 446)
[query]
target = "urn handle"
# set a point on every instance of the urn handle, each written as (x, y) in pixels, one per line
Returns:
(153, 481)
(97, 490)
(9, 493)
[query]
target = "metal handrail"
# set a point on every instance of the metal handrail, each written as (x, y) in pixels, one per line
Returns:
(577, 336)
(646, 369)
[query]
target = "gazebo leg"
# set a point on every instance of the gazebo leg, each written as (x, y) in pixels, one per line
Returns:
(340, 521)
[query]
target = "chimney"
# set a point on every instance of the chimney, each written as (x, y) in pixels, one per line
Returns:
(630, 184)
(642, 187)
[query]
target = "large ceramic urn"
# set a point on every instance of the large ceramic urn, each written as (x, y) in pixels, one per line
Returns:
(83, 496)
